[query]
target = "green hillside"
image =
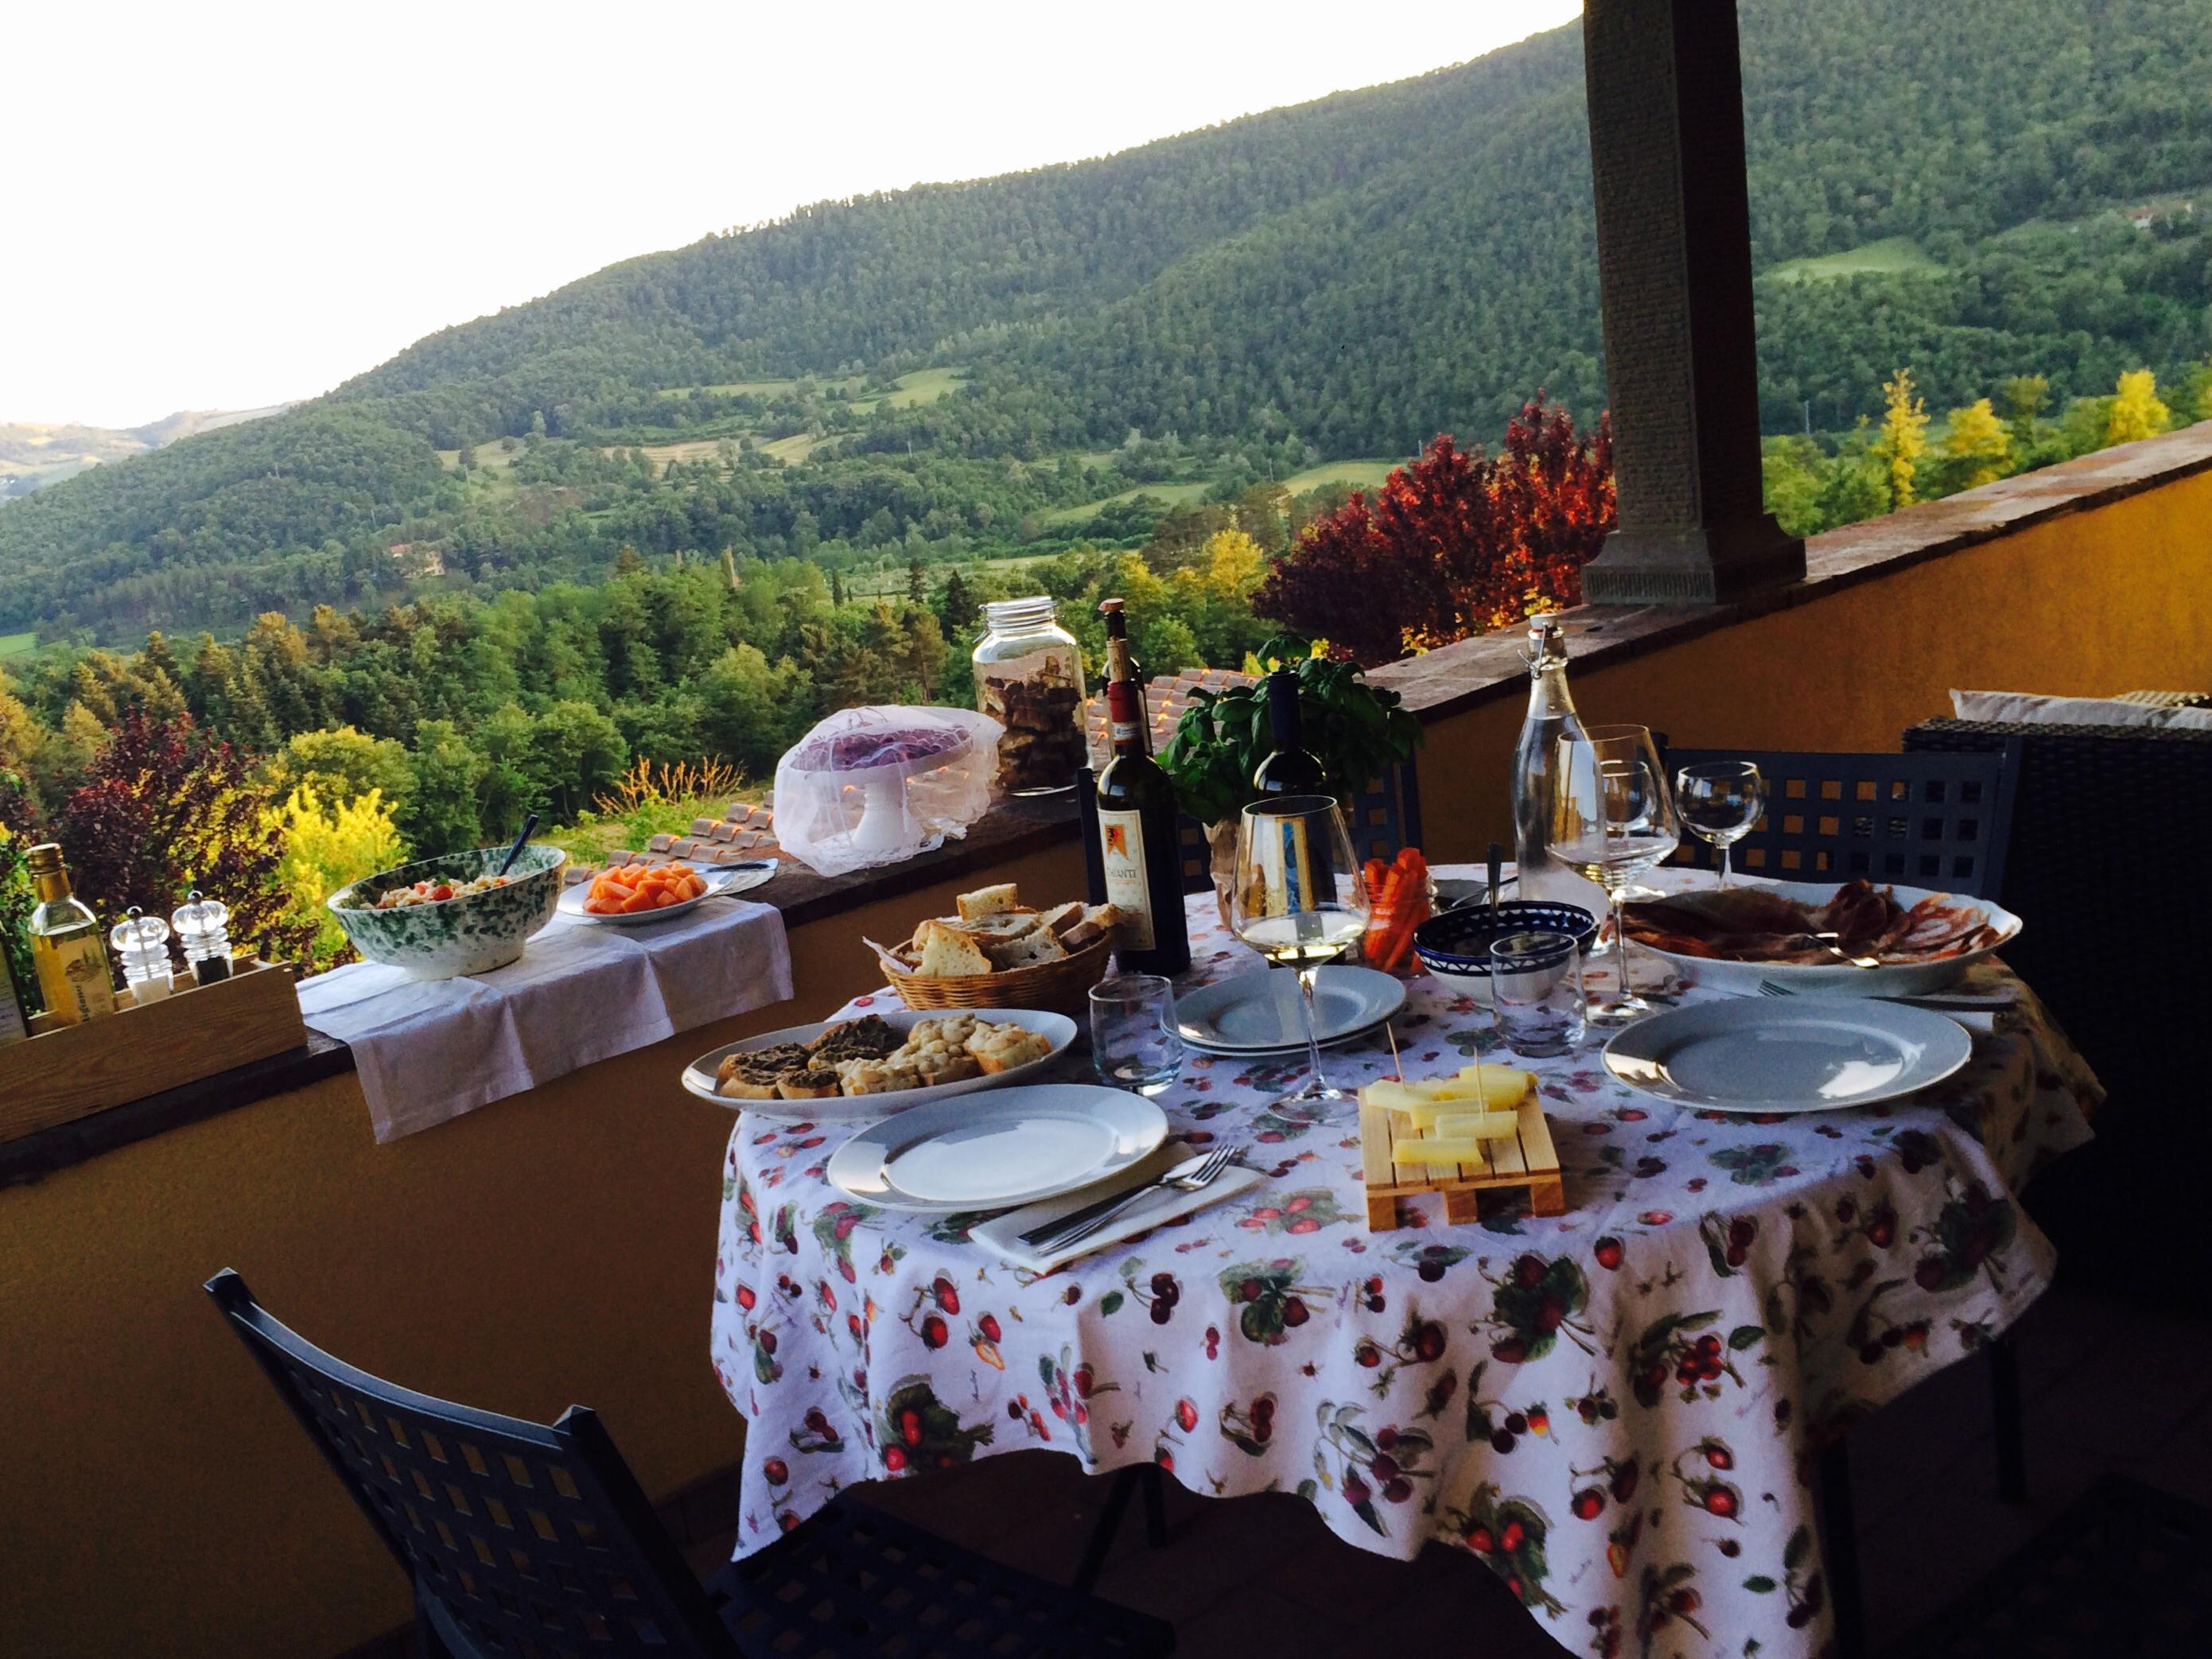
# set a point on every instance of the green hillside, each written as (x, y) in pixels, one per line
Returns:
(971, 370)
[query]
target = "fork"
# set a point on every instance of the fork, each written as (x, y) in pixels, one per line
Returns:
(1959, 999)
(1184, 1178)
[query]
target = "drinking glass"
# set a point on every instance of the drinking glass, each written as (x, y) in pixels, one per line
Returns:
(1612, 819)
(1134, 1040)
(1299, 901)
(1536, 993)
(1720, 801)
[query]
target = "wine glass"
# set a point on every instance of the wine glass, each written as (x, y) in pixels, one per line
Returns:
(1720, 801)
(1299, 900)
(1612, 819)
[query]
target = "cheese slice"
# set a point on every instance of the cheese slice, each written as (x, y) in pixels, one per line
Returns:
(1433, 1152)
(1477, 1126)
(1499, 1090)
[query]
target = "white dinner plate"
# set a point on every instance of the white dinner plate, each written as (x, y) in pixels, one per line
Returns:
(1258, 1013)
(1894, 979)
(1788, 1054)
(699, 1075)
(1012, 1147)
(721, 882)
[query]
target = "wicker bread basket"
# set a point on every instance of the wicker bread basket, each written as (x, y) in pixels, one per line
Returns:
(1060, 987)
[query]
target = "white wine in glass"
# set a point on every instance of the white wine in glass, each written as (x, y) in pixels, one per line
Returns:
(1614, 819)
(1299, 901)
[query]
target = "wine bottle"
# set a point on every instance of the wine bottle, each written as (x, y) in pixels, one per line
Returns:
(1121, 663)
(66, 947)
(1137, 841)
(1291, 768)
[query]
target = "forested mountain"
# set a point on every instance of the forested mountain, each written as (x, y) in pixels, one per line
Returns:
(1975, 191)
(36, 453)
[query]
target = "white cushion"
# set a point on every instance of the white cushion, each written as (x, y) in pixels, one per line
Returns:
(2027, 707)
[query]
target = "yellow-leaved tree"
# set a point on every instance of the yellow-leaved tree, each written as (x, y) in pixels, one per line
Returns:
(327, 845)
(1903, 435)
(2136, 410)
(1979, 442)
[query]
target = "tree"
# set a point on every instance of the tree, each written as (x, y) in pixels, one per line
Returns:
(164, 808)
(440, 815)
(1455, 543)
(1978, 445)
(1903, 435)
(342, 764)
(2137, 411)
(917, 582)
(328, 843)
(957, 608)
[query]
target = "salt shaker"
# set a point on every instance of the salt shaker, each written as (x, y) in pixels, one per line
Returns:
(142, 945)
(202, 929)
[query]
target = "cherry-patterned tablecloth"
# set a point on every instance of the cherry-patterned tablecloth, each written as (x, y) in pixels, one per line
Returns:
(1615, 1409)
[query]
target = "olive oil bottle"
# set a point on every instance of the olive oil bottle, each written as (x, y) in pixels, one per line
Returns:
(66, 947)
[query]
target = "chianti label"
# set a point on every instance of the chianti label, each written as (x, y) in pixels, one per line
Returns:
(1122, 838)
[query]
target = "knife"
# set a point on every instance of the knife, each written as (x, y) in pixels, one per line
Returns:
(1077, 1218)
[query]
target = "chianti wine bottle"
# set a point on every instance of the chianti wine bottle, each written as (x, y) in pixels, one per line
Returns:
(1121, 663)
(1291, 769)
(1136, 838)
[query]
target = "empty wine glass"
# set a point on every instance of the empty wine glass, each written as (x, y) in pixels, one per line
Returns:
(1720, 801)
(1299, 901)
(1612, 819)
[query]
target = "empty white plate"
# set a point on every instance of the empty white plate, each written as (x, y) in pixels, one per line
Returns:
(1788, 1054)
(992, 1152)
(1258, 1013)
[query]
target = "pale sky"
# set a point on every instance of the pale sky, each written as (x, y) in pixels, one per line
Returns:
(225, 205)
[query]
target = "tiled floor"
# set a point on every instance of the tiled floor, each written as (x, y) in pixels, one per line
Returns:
(2107, 1389)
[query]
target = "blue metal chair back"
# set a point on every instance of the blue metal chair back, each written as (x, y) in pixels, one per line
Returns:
(1940, 821)
(523, 1540)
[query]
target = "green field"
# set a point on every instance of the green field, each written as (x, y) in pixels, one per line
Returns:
(1360, 475)
(1892, 255)
(732, 389)
(15, 644)
(1175, 495)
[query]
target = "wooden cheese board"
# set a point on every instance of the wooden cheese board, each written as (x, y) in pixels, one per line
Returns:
(1526, 1160)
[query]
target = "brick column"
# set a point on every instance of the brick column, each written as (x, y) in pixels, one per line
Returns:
(1673, 246)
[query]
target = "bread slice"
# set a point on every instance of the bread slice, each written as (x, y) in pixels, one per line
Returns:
(1006, 924)
(1062, 917)
(816, 1083)
(988, 901)
(1098, 921)
(947, 953)
(1030, 949)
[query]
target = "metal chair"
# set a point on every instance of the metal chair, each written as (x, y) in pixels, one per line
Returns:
(1927, 820)
(535, 1541)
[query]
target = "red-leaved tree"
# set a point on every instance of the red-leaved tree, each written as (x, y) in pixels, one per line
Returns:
(1454, 544)
(165, 807)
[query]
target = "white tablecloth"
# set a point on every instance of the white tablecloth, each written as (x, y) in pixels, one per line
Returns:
(428, 1050)
(1615, 1409)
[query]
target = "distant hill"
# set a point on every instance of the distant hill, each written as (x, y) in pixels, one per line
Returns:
(1974, 191)
(36, 453)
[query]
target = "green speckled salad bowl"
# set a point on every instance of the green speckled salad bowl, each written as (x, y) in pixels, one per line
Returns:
(471, 934)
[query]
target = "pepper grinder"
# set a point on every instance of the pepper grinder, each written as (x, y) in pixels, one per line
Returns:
(142, 945)
(202, 929)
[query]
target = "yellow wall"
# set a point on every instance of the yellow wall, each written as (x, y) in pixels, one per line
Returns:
(2091, 603)
(555, 1247)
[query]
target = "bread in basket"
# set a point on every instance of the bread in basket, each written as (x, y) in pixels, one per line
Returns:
(999, 953)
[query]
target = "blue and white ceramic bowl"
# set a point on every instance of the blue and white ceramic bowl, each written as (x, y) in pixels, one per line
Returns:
(1455, 947)
(473, 934)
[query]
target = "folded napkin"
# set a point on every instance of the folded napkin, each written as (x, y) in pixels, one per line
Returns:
(1003, 1233)
(428, 1050)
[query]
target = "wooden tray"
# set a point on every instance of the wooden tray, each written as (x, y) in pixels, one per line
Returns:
(62, 1072)
(1528, 1161)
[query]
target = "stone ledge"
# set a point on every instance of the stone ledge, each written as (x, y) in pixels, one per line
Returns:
(1473, 672)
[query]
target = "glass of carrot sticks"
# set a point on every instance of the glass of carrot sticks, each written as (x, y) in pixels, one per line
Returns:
(1398, 903)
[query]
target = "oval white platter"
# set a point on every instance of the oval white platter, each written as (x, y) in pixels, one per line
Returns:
(1787, 1054)
(1019, 1146)
(1896, 979)
(699, 1075)
(721, 882)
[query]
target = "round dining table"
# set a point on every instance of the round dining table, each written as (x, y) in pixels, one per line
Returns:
(1618, 1409)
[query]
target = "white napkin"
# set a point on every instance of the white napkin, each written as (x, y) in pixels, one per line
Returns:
(1003, 1233)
